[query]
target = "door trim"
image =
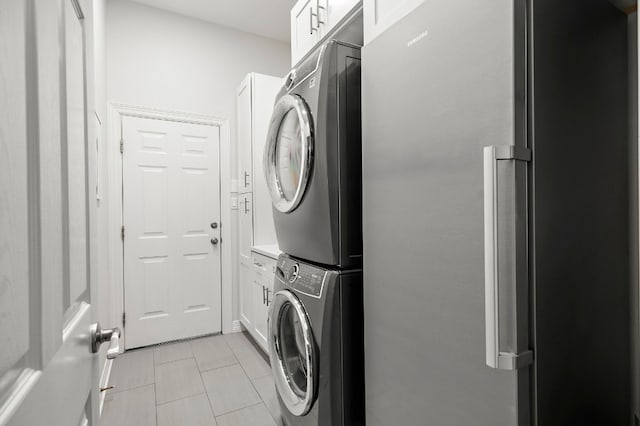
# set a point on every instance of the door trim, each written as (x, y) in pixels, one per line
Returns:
(116, 112)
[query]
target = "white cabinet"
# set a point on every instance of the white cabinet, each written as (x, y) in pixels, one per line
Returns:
(311, 20)
(381, 14)
(243, 113)
(338, 9)
(256, 294)
(245, 226)
(263, 269)
(246, 294)
(255, 99)
(304, 28)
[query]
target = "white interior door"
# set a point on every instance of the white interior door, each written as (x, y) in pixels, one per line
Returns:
(47, 370)
(171, 216)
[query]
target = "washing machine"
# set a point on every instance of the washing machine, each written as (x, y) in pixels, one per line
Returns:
(312, 158)
(316, 344)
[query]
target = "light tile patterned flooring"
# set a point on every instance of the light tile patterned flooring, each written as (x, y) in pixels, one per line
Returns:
(217, 380)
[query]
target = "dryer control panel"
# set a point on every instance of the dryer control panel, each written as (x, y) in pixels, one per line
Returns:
(300, 276)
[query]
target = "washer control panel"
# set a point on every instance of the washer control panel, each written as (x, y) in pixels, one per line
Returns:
(300, 276)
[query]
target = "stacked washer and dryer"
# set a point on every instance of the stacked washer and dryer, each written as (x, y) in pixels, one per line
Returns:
(313, 169)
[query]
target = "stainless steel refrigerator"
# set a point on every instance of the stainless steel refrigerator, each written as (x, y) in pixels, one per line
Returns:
(496, 216)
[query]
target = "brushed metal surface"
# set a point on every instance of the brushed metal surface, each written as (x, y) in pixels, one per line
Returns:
(439, 86)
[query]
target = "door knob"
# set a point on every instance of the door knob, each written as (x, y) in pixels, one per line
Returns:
(100, 336)
(214, 241)
(214, 225)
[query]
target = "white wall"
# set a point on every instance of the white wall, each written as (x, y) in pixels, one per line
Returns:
(160, 59)
(163, 60)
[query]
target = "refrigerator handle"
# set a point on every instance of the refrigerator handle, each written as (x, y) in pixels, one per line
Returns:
(495, 357)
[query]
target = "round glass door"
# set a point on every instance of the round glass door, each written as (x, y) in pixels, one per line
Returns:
(292, 353)
(289, 152)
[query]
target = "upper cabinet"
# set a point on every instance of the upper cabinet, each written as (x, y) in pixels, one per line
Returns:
(244, 119)
(255, 99)
(311, 20)
(381, 14)
(304, 28)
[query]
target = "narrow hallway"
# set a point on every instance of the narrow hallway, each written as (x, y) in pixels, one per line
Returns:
(216, 380)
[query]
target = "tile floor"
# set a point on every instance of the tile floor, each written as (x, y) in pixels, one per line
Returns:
(216, 380)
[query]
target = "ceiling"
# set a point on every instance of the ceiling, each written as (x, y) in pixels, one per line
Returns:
(266, 18)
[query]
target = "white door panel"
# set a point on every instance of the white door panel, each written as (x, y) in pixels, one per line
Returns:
(245, 226)
(338, 9)
(66, 384)
(47, 369)
(261, 313)
(171, 196)
(304, 29)
(246, 294)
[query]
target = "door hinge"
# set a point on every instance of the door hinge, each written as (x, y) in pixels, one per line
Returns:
(122, 233)
(124, 319)
(121, 146)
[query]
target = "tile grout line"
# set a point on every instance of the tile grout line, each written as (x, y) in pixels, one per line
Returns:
(256, 390)
(241, 349)
(262, 402)
(174, 360)
(174, 343)
(265, 402)
(203, 385)
(181, 398)
(204, 390)
(240, 409)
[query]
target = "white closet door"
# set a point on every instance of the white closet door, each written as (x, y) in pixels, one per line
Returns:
(47, 369)
(171, 198)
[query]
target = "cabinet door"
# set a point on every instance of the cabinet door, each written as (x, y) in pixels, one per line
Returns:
(304, 28)
(246, 295)
(244, 123)
(245, 226)
(261, 312)
(264, 90)
(381, 14)
(335, 10)
(264, 272)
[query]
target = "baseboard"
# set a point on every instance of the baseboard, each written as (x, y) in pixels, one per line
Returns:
(236, 326)
(104, 380)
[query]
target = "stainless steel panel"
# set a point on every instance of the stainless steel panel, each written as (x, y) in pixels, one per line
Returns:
(437, 87)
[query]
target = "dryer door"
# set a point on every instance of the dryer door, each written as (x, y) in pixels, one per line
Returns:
(293, 354)
(288, 156)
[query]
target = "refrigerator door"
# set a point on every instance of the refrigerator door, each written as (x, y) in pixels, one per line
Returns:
(438, 87)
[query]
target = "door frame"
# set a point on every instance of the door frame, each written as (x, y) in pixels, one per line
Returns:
(116, 112)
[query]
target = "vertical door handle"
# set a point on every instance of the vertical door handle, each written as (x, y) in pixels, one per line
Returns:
(268, 301)
(264, 297)
(318, 8)
(496, 358)
(311, 15)
(246, 175)
(246, 210)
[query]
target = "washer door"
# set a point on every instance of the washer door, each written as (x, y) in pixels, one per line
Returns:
(293, 355)
(288, 155)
